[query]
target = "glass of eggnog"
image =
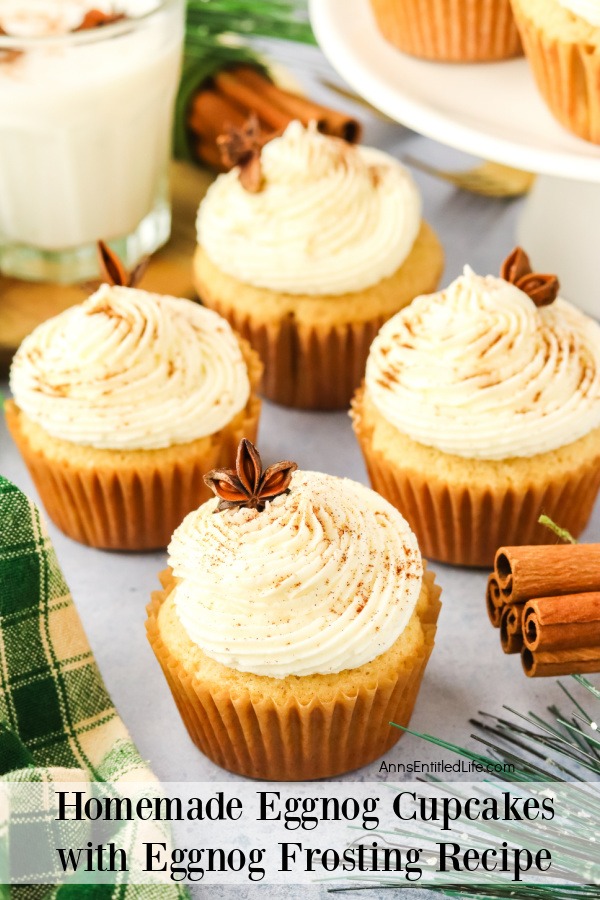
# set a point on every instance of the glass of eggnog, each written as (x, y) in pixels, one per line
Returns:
(87, 91)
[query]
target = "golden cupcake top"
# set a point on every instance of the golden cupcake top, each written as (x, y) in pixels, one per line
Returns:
(310, 214)
(300, 573)
(131, 370)
(489, 368)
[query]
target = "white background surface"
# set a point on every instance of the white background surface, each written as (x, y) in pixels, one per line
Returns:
(467, 672)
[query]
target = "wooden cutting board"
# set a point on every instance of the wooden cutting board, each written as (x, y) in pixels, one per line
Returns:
(24, 304)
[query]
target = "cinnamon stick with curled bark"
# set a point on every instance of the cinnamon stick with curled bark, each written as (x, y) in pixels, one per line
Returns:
(329, 121)
(233, 85)
(566, 622)
(511, 633)
(493, 600)
(577, 661)
(231, 96)
(527, 572)
(211, 112)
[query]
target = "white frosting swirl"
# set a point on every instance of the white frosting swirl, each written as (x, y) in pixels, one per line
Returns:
(331, 218)
(588, 10)
(325, 578)
(129, 370)
(478, 371)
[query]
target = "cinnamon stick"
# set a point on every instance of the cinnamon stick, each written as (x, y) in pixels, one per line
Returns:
(493, 600)
(527, 572)
(329, 121)
(209, 153)
(511, 634)
(565, 622)
(210, 112)
(234, 87)
(577, 661)
(232, 95)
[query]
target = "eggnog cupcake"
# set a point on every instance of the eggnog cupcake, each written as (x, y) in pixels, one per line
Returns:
(307, 247)
(120, 405)
(481, 410)
(450, 30)
(562, 41)
(295, 622)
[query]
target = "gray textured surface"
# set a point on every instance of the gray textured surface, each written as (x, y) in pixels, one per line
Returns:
(467, 672)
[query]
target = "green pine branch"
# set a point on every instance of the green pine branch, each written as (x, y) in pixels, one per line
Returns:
(215, 20)
(562, 747)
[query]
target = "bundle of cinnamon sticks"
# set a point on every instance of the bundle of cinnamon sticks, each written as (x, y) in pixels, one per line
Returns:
(546, 602)
(232, 95)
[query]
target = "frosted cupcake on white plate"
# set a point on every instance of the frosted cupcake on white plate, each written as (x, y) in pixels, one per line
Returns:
(561, 39)
(460, 31)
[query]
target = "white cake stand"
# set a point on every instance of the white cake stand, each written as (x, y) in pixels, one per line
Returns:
(490, 110)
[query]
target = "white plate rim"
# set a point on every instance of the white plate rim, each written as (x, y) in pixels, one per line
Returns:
(327, 19)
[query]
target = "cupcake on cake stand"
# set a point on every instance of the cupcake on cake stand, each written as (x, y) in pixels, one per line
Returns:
(492, 110)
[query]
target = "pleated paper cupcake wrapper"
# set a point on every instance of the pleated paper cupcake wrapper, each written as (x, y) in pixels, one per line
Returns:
(306, 367)
(124, 507)
(567, 75)
(465, 525)
(259, 738)
(450, 30)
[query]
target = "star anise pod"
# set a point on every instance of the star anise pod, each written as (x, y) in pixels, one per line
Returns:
(247, 485)
(516, 268)
(95, 18)
(114, 272)
(242, 147)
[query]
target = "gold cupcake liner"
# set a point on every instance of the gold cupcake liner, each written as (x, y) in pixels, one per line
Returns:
(450, 30)
(464, 524)
(136, 502)
(292, 741)
(567, 75)
(306, 366)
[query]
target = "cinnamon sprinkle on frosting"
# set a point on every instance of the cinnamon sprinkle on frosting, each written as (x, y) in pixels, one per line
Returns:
(319, 225)
(324, 579)
(479, 371)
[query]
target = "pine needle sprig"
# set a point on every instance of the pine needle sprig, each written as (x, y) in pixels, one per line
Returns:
(560, 750)
(545, 742)
(583, 681)
(562, 533)
(223, 25)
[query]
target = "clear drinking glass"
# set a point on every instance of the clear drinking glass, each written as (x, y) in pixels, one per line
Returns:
(85, 141)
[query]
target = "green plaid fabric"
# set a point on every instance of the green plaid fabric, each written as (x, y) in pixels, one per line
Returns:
(57, 721)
